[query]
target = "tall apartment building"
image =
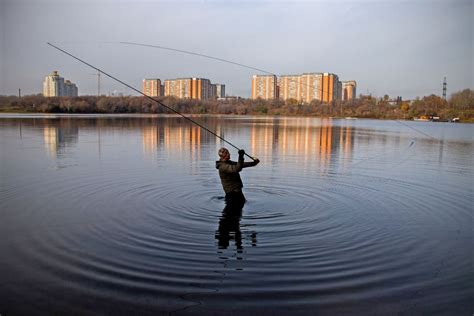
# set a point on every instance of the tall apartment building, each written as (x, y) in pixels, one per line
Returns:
(349, 90)
(290, 87)
(324, 87)
(152, 87)
(70, 89)
(188, 88)
(200, 88)
(264, 86)
(329, 87)
(311, 85)
(180, 88)
(220, 90)
(55, 86)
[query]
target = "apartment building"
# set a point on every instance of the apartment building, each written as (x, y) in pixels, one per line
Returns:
(290, 87)
(220, 90)
(55, 86)
(349, 90)
(152, 87)
(264, 87)
(329, 87)
(188, 88)
(324, 87)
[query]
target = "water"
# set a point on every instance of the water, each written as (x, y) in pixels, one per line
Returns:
(124, 215)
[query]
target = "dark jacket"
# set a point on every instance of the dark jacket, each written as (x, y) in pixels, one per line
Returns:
(229, 174)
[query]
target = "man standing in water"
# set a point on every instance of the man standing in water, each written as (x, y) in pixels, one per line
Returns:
(230, 177)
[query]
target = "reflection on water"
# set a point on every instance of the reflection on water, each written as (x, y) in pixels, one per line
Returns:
(59, 135)
(279, 137)
(230, 230)
(125, 215)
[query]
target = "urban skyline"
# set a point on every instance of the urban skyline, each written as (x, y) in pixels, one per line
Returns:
(399, 48)
(324, 87)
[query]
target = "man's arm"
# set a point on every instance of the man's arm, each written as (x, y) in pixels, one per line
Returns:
(251, 164)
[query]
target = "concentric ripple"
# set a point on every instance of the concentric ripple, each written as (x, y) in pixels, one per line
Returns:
(126, 234)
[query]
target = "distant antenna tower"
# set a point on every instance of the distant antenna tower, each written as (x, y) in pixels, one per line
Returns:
(98, 82)
(444, 88)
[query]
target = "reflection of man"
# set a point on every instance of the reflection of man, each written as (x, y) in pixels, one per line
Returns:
(229, 228)
(229, 174)
(229, 225)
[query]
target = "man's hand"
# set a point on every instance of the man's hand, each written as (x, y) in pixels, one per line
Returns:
(256, 161)
(241, 154)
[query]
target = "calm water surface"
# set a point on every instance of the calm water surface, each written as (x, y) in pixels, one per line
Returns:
(124, 215)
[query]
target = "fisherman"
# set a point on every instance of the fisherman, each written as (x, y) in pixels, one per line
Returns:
(229, 174)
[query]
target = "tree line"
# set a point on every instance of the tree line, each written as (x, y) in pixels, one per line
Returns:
(460, 104)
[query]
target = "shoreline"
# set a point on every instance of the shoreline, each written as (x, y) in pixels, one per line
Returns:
(19, 114)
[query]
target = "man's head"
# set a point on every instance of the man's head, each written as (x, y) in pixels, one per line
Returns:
(224, 154)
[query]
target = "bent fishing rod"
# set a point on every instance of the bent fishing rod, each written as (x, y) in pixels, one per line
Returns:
(148, 97)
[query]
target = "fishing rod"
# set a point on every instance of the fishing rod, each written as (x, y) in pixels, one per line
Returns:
(147, 96)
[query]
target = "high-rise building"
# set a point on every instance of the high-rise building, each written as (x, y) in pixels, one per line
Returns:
(264, 87)
(188, 88)
(311, 87)
(220, 90)
(180, 88)
(152, 87)
(349, 90)
(339, 90)
(329, 87)
(55, 86)
(290, 87)
(70, 89)
(200, 88)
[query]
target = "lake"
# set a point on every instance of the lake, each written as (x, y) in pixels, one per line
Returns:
(120, 215)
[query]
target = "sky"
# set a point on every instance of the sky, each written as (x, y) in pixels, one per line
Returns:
(399, 48)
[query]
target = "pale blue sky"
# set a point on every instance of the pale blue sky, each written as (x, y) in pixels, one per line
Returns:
(389, 47)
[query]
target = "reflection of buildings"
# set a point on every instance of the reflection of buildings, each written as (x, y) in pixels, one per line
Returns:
(59, 136)
(173, 137)
(306, 140)
(302, 139)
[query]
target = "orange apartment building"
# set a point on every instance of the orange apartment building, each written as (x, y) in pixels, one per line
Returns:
(310, 86)
(188, 88)
(264, 87)
(152, 87)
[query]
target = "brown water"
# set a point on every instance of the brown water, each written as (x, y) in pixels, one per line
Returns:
(124, 215)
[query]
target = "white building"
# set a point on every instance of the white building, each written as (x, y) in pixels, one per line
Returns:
(55, 86)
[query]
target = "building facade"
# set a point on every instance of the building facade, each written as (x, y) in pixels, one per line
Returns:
(264, 87)
(311, 86)
(289, 87)
(220, 90)
(188, 88)
(329, 87)
(324, 87)
(349, 90)
(55, 86)
(152, 87)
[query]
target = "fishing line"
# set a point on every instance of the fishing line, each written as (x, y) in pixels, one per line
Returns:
(218, 59)
(147, 96)
(240, 65)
